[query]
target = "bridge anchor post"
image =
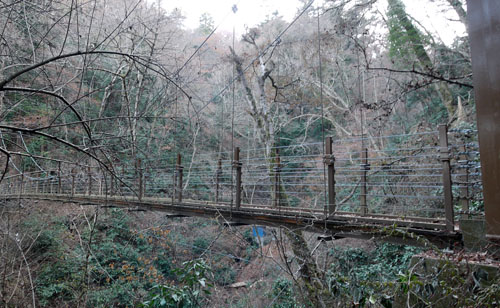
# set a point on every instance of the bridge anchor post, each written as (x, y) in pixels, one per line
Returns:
(364, 172)
(73, 175)
(276, 170)
(218, 175)
(21, 189)
(89, 174)
(140, 179)
(329, 161)
(179, 169)
(111, 184)
(445, 159)
(237, 167)
(59, 183)
(463, 200)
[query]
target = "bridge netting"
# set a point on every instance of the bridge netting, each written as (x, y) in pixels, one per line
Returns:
(399, 175)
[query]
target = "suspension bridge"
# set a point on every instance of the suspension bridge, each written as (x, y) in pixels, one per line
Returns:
(365, 187)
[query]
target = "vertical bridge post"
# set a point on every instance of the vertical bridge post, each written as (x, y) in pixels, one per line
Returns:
(276, 170)
(237, 166)
(59, 181)
(179, 169)
(445, 159)
(329, 160)
(111, 181)
(73, 175)
(121, 187)
(364, 171)
(44, 184)
(464, 185)
(140, 179)
(218, 174)
(89, 171)
(174, 183)
(51, 181)
(21, 189)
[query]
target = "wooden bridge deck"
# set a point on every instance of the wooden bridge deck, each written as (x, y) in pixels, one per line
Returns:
(408, 230)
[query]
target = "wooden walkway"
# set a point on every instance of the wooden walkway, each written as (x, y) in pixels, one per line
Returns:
(408, 230)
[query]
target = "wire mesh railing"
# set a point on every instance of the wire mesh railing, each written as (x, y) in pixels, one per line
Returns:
(424, 174)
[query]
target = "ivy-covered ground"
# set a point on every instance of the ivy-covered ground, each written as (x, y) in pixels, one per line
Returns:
(84, 256)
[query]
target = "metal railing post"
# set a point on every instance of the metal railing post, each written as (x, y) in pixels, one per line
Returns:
(445, 159)
(21, 189)
(51, 182)
(121, 187)
(364, 171)
(463, 201)
(237, 166)
(73, 175)
(329, 161)
(89, 173)
(218, 175)
(276, 170)
(101, 182)
(111, 183)
(179, 169)
(59, 181)
(140, 179)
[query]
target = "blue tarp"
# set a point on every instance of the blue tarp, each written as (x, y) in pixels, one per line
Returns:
(258, 231)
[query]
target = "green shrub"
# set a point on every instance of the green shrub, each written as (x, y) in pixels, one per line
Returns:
(200, 245)
(224, 275)
(191, 291)
(282, 295)
(58, 281)
(357, 277)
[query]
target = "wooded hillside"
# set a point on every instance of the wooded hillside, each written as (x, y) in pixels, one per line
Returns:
(119, 84)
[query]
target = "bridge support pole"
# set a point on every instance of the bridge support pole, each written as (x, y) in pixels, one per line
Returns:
(218, 175)
(364, 171)
(237, 167)
(21, 189)
(277, 169)
(121, 186)
(464, 186)
(445, 159)
(111, 184)
(101, 184)
(89, 174)
(73, 175)
(179, 169)
(51, 182)
(329, 161)
(140, 179)
(59, 183)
